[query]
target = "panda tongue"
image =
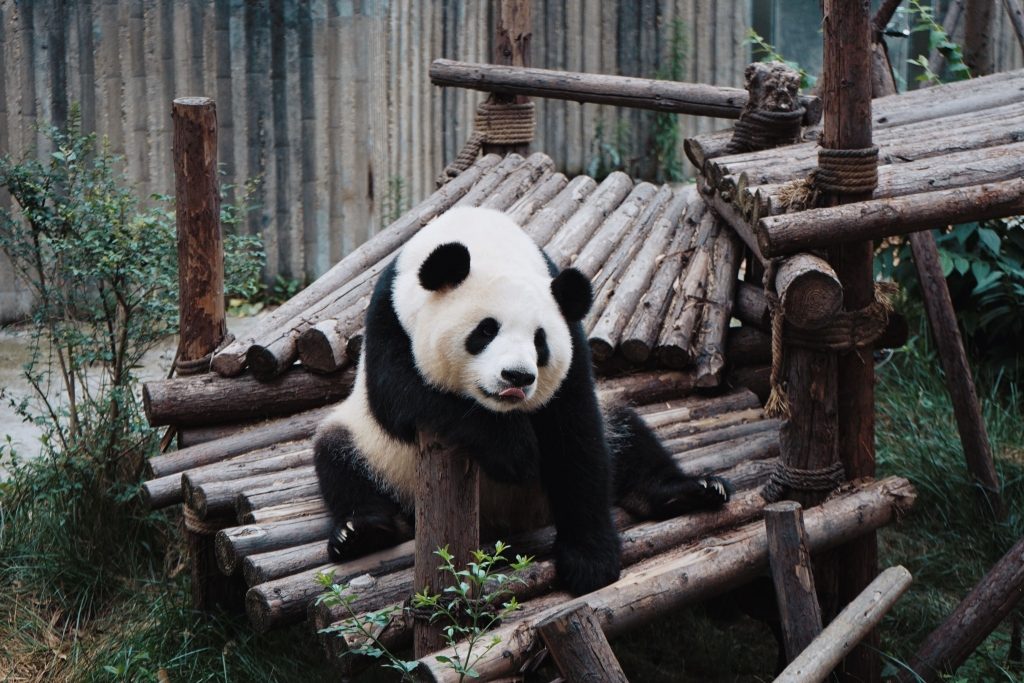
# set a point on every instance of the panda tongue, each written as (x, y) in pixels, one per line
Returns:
(513, 392)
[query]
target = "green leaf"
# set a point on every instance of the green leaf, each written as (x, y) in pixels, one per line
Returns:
(961, 264)
(990, 238)
(946, 262)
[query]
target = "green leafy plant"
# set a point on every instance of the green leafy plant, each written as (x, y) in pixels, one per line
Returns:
(607, 155)
(984, 268)
(468, 611)
(103, 274)
(763, 51)
(923, 17)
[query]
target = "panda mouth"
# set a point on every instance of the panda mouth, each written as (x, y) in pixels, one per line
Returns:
(507, 395)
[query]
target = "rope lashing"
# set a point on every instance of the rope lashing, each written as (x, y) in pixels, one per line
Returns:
(495, 123)
(847, 331)
(784, 477)
(846, 171)
(756, 130)
(199, 526)
(198, 366)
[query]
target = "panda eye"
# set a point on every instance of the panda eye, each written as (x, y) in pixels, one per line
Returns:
(482, 335)
(488, 327)
(540, 341)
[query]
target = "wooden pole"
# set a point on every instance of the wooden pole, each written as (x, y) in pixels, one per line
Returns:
(851, 625)
(696, 99)
(974, 618)
(946, 334)
(1016, 15)
(200, 246)
(847, 125)
(792, 576)
(979, 48)
(447, 515)
(513, 32)
(577, 644)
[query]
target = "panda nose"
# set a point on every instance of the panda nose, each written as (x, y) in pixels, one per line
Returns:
(518, 378)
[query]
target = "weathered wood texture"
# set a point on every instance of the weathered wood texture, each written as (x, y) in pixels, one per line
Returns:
(946, 333)
(696, 99)
(579, 648)
(200, 245)
(447, 516)
(328, 104)
(977, 615)
(792, 576)
(855, 622)
(697, 572)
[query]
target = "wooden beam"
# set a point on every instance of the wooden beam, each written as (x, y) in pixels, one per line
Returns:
(879, 218)
(581, 652)
(977, 615)
(979, 40)
(1016, 16)
(851, 626)
(792, 576)
(946, 333)
(641, 93)
(513, 34)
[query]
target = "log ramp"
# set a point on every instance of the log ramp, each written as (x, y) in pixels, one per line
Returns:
(664, 264)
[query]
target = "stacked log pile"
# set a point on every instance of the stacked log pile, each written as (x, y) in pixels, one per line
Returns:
(951, 153)
(663, 271)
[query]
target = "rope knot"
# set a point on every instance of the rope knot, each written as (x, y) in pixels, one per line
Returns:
(495, 123)
(846, 171)
(784, 478)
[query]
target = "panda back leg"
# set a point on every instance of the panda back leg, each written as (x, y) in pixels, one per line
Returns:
(365, 519)
(648, 483)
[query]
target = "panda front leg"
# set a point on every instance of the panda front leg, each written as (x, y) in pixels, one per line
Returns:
(365, 519)
(648, 483)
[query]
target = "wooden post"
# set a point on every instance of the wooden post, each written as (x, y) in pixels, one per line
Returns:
(447, 514)
(200, 247)
(792, 576)
(1016, 16)
(849, 627)
(979, 48)
(975, 617)
(847, 125)
(576, 642)
(512, 35)
(200, 304)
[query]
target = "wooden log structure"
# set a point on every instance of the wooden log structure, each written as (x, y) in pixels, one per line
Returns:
(1015, 13)
(512, 36)
(695, 572)
(792, 576)
(850, 626)
(666, 96)
(977, 615)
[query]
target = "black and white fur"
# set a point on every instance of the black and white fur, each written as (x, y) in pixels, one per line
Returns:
(473, 333)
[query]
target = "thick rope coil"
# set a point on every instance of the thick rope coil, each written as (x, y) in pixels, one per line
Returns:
(777, 404)
(846, 171)
(756, 130)
(495, 123)
(198, 526)
(785, 478)
(200, 365)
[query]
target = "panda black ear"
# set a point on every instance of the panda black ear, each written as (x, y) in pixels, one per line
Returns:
(573, 293)
(447, 266)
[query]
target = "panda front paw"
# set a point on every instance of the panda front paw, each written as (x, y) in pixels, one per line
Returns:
(356, 536)
(689, 494)
(583, 568)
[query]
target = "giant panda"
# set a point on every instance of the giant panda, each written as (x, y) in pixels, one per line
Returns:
(472, 332)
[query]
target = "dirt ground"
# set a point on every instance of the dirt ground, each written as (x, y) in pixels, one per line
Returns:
(14, 352)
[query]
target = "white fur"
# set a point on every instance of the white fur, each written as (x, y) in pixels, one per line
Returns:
(509, 281)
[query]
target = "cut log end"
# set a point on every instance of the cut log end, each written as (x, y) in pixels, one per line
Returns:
(227, 561)
(262, 363)
(259, 611)
(635, 350)
(601, 350)
(228, 364)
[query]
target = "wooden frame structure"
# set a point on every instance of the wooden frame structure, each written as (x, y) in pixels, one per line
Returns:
(264, 471)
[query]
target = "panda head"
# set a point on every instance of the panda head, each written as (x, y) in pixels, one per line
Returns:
(484, 315)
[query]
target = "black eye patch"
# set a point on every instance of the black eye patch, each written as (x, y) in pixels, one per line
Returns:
(540, 340)
(482, 335)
